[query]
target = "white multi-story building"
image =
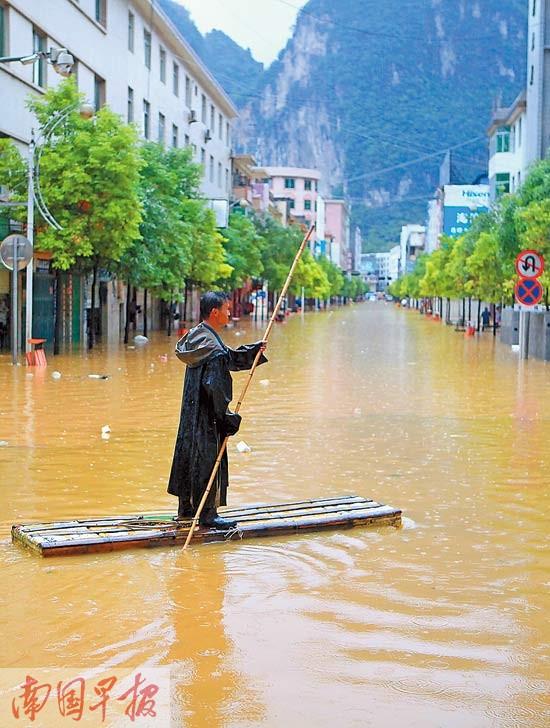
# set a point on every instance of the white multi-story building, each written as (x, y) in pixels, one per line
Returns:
(413, 242)
(538, 80)
(520, 135)
(393, 263)
(129, 56)
(508, 148)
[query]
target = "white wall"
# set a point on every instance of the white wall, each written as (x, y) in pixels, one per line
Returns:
(104, 52)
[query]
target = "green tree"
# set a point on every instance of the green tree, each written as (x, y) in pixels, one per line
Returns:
(244, 247)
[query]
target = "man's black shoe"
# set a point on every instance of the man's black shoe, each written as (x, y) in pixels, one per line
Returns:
(215, 521)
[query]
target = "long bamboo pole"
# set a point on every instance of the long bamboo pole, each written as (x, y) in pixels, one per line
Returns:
(247, 383)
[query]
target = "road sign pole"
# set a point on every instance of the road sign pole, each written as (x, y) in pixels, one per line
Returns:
(14, 311)
(523, 334)
(30, 237)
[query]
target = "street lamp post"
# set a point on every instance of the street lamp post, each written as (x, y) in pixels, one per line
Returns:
(62, 62)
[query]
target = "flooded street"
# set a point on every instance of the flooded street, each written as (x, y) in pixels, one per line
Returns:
(443, 623)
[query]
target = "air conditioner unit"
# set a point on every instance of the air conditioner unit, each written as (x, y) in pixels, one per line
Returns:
(192, 116)
(207, 136)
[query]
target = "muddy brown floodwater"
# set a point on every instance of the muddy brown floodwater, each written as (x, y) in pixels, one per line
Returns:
(443, 623)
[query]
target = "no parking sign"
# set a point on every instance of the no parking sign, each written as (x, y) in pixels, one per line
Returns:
(529, 267)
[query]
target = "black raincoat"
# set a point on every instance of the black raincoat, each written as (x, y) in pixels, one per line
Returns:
(205, 418)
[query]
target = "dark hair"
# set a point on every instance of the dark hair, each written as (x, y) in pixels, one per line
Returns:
(211, 300)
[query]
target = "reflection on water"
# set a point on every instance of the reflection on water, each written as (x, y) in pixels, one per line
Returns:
(441, 623)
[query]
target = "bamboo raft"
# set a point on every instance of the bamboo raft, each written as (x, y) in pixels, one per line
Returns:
(114, 533)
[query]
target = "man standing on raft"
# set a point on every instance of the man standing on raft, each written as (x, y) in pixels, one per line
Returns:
(205, 418)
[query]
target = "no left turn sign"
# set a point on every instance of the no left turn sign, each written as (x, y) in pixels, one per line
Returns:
(529, 264)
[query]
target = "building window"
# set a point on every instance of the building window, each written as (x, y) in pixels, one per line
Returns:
(227, 134)
(147, 47)
(220, 126)
(307, 204)
(130, 105)
(187, 140)
(174, 135)
(188, 92)
(162, 54)
(289, 183)
(131, 31)
(162, 128)
(534, 7)
(226, 179)
(503, 139)
(203, 157)
(533, 42)
(519, 179)
(39, 67)
(520, 130)
(146, 119)
(211, 169)
(502, 184)
(3, 43)
(291, 204)
(307, 185)
(212, 119)
(532, 76)
(101, 12)
(99, 92)
(203, 109)
(219, 174)
(176, 79)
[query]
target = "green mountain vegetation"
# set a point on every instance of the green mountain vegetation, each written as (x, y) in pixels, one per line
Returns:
(233, 67)
(373, 93)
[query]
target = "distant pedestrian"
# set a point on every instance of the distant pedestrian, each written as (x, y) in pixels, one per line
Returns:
(485, 318)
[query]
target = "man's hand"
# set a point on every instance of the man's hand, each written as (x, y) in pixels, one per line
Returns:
(263, 346)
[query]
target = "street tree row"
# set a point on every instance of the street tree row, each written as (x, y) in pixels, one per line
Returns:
(481, 263)
(133, 209)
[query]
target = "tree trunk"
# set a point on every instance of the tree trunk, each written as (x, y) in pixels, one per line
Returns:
(185, 291)
(546, 301)
(57, 312)
(91, 327)
(170, 316)
(127, 322)
(469, 309)
(145, 312)
(464, 312)
(494, 307)
(478, 316)
(134, 308)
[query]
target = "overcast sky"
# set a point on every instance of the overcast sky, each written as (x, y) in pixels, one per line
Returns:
(261, 25)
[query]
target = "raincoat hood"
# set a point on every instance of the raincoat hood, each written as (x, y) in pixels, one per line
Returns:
(199, 344)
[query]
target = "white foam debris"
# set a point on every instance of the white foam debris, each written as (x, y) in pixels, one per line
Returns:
(4, 443)
(139, 339)
(105, 430)
(357, 411)
(56, 375)
(264, 382)
(243, 447)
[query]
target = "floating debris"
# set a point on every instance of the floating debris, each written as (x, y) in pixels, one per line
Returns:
(98, 376)
(243, 447)
(105, 430)
(56, 375)
(139, 339)
(4, 443)
(264, 382)
(130, 347)
(163, 358)
(357, 411)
